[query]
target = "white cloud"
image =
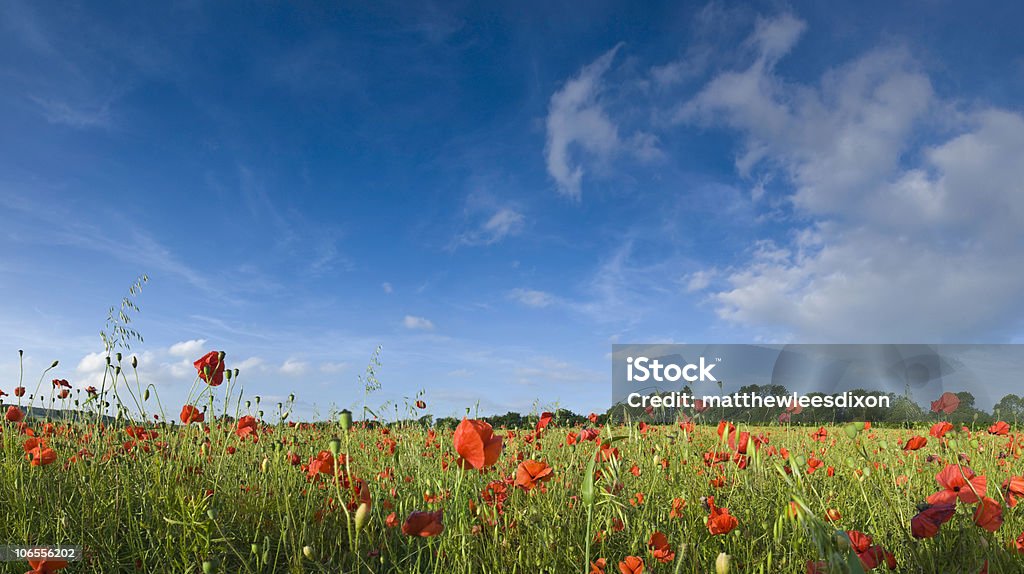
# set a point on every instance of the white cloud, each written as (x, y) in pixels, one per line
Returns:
(188, 349)
(532, 297)
(699, 280)
(387, 287)
(294, 367)
(904, 242)
(333, 368)
(502, 222)
(250, 364)
(577, 118)
(92, 363)
(417, 323)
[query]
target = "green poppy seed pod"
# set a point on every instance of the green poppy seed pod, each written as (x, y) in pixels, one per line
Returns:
(722, 563)
(291, 398)
(308, 552)
(108, 360)
(259, 414)
(254, 548)
(248, 404)
(117, 370)
(220, 357)
(145, 395)
(21, 352)
(953, 444)
(135, 362)
(236, 373)
(227, 374)
(362, 516)
(209, 567)
(257, 399)
(54, 365)
(335, 446)
(265, 465)
(118, 355)
(345, 419)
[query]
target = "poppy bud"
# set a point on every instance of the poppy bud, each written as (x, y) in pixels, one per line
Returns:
(108, 360)
(135, 362)
(722, 563)
(257, 399)
(212, 514)
(265, 465)
(54, 365)
(335, 446)
(117, 370)
(227, 374)
(308, 552)
(248, 405)
(145, 395)
(254, 548)
(345, 419)
(118, 355)
(291, 398)
(362, 516)
(209, 567)
(21, 352)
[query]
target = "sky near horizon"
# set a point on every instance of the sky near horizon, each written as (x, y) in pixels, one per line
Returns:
(496, 194)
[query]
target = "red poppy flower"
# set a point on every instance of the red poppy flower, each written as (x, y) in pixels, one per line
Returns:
(91, 390)
(531, 472)
(1000, 428)
(1019, 543)
(46, 566)
(660, 549)
(939, 430)
(423, 524)
(41, 455)
(820, 435)
(211, 368)
(63, 383)
(871, 555)
(476, 444)
(598, 566)
(190, 414)
(915, 443)
(927, 522)
(1013, 487)
(421, 405)
(543, 421)
(989, 514)
(592, 417)
(631, 565)
(19, 391)
(14, 414)
(677, 508)
(958, 486)
(719, 520)
(63, 394)
(947, 403)
(247, 426)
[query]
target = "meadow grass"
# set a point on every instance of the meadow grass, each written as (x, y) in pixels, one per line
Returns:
(199, 497)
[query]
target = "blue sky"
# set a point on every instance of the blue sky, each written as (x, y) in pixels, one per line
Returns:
(497, 194)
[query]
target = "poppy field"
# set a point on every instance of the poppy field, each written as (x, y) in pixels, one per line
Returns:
(224, 486)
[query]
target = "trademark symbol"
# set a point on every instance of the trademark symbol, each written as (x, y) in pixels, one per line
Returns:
(718, 359)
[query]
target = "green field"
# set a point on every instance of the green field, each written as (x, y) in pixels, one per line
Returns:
(245, 496)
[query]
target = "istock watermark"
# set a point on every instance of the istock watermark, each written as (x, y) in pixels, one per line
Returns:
(881, 381)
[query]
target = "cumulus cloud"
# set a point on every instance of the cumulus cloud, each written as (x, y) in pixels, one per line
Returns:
(294, 367)
(250, 364)
(417, 323)
(193, 348)
(904, 240)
